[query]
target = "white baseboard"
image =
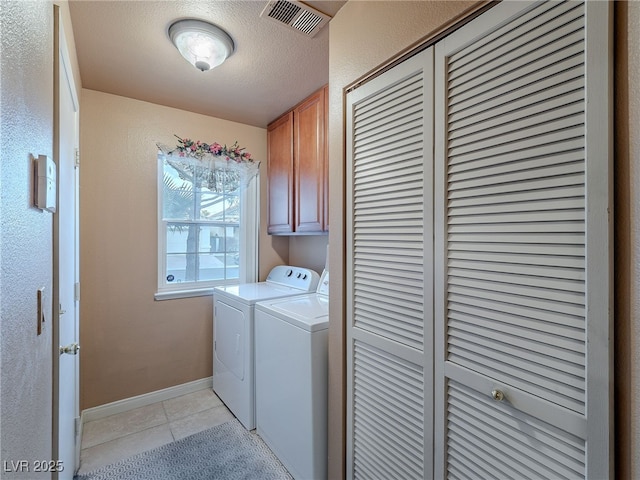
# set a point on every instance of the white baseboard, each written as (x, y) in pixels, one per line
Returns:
(102, 411)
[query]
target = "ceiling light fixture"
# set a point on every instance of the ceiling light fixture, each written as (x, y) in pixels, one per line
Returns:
(203, 44)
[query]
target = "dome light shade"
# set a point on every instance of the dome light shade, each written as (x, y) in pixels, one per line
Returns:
(204, 45)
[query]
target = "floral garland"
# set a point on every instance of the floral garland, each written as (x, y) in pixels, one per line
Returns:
(188, 147)
(217, 167)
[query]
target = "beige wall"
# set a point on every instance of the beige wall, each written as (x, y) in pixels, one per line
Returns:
(132, 344)
(361, 38)
(308, 251)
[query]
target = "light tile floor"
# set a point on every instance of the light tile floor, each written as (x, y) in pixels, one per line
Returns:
(113, 438)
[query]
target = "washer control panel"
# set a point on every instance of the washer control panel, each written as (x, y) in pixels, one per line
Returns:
(323, 284)
(296, 277)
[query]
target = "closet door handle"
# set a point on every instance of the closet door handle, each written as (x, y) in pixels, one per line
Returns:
(497, 395)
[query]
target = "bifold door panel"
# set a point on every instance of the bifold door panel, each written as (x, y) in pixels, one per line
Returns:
(390, 323)
(522, 244)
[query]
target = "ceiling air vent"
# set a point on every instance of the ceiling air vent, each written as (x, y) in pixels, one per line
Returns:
(296, 16)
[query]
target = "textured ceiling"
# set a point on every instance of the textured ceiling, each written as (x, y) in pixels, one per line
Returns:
(123, 48)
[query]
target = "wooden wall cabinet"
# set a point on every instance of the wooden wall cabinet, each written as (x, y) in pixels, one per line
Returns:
(297, 169)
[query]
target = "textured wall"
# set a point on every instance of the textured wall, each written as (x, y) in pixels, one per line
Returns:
(26, 34)
(131, 344)
(363, 35)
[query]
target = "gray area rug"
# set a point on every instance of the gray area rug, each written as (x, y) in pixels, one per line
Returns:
(227, 451)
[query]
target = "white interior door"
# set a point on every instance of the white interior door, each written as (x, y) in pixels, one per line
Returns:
(523, 244)
(66, 397)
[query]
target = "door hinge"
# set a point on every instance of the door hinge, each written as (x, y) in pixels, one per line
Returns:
(76, 291)
(77, 157)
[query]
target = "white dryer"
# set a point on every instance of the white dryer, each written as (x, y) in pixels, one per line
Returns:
(233, 334)
(291, 380)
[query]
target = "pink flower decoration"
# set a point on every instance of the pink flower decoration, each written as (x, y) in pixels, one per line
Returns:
(188, 147)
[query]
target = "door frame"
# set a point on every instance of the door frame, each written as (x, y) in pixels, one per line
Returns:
(61, 62)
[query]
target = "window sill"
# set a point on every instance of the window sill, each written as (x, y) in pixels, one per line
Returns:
(172, 295)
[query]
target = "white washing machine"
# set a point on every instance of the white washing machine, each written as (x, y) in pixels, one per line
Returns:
(233, 334)
(291, 380)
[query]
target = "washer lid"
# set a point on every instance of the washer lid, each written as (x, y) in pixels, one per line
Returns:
(310, 312)
(251, 293)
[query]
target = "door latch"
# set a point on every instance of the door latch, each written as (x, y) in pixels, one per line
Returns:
(71, 349)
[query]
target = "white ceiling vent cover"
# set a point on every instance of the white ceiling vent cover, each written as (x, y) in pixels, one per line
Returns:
(296, 16)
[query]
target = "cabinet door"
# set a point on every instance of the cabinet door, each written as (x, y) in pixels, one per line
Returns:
(309, 164)
(280, 175)
(523, 244)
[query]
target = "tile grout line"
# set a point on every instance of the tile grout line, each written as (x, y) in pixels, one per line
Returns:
(117, 439)
(144, 429)
(164, 409)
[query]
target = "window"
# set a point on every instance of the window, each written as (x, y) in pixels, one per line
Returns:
(205, 237)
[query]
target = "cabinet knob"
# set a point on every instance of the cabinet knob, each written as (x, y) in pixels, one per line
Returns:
(497, 395)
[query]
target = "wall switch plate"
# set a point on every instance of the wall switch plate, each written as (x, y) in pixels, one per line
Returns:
(40, 309)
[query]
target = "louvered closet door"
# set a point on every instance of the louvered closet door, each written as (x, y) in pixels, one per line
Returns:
(389, 274)
(523, 292)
